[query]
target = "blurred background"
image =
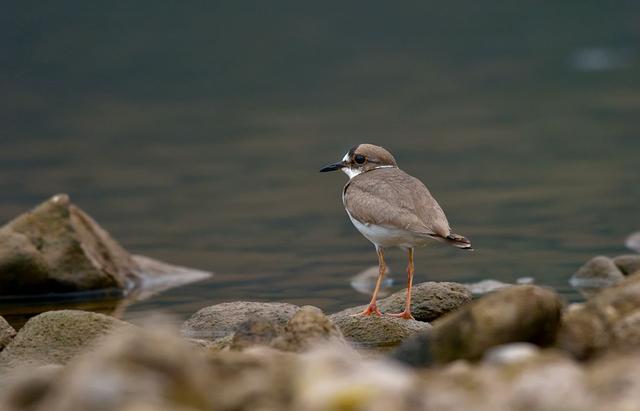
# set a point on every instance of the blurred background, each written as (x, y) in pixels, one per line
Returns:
(194, 133)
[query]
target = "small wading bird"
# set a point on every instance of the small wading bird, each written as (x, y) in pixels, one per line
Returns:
(391, 209)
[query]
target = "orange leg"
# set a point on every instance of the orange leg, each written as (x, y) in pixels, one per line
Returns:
(372, 308)
(406, 314)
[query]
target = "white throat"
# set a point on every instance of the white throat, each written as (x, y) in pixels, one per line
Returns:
(351, 172)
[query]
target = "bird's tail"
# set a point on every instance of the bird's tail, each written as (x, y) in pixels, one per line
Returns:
(456, 240)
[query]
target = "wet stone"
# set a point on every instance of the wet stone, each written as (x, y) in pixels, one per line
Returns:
(223, 320)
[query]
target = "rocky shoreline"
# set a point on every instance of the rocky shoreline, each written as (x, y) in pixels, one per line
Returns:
(517, 347)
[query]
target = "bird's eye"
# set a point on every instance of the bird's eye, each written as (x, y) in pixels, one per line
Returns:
(359, 159)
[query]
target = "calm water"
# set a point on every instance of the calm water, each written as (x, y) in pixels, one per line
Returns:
(195, 135)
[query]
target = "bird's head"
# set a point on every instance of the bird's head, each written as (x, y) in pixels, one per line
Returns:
(362, 158)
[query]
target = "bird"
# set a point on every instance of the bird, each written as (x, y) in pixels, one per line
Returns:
(391, 209)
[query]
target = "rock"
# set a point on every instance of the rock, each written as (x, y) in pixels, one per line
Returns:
(628, 264)
(222, 320)
(255, 331)
(131, 367)
(486, 286)
(615, 381)
(57, 248)
(29, 387)
(429, 300)
(336, 379)
(546, 382)
(54, 337)
(510, 353)
(609, 320)
(461, 386)
(415, 350)
(259, 378)
(523, 313)
(6, 333)
(152, 369)
(308, 328)
(599, 272)
(633, 242)
(376, 331)
(543, 382)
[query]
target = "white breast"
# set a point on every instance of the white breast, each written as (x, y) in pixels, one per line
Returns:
(387, 236)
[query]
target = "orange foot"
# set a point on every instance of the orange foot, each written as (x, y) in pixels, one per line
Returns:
(405, 314)
(371, 309)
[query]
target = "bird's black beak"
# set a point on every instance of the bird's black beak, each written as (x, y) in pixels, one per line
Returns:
(332, 167)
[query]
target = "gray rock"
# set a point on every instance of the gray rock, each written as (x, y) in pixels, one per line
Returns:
(308, 328)
(599, 272)
(222, 320)
(57, 248)
(607, 321)
(256, 331)
(54, 337)
(131, 368)
(429, 300)
(628, 264)
(522, 313)
(6, 333)
(376, 331)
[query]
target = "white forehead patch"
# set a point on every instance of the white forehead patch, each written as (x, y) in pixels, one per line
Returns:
(351, 172)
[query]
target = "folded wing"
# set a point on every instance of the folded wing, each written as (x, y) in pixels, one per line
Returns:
(395, 199)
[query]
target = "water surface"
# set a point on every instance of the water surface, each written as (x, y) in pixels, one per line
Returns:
(195, 135)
